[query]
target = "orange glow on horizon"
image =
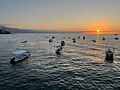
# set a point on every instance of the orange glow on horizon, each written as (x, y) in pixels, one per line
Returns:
(99, 27)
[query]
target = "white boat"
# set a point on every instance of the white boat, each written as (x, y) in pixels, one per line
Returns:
(109, 57)
(59, 50)
(20, 55)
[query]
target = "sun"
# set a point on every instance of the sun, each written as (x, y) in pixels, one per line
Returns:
(98, 30)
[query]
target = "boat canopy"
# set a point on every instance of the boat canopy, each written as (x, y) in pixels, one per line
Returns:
(20, 52)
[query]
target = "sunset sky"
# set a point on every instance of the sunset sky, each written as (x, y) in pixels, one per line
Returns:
(73, 15)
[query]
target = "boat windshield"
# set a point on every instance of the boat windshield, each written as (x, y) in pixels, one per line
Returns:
(20, 53)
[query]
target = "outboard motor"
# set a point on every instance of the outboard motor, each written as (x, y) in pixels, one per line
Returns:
(62, 43)
(12, 60)
(59, 49)
(109, 56)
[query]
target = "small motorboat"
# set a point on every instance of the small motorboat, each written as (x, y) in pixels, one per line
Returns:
(24, 42)
(62, 43)
(109, 57)
(74, 41)
(103, 38)
(53, 37)
(116, 38)
(116, 34)
(83, 37)
(59, 50)
(63, 37)
(50, 40)
(19, 56)
(93, 40)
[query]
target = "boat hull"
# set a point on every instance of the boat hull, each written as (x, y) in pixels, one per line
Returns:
(109, 60)
(18, 60)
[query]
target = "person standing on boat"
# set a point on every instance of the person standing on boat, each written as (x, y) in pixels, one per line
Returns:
(109, 55)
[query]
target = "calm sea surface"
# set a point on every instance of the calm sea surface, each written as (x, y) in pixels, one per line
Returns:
(81, 65)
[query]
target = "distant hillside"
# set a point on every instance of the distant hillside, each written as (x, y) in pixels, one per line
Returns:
(3, 30)
(17, 30)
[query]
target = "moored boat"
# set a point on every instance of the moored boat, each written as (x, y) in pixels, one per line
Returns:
(19, 56)
(59, 50)
(24, 42)
(109, 57)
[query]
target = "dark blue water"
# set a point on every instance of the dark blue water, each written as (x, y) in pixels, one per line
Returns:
(81, 65)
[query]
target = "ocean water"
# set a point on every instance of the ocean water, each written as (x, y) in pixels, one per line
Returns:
(81, 65)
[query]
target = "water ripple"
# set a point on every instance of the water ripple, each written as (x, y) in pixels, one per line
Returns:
(81, 65)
